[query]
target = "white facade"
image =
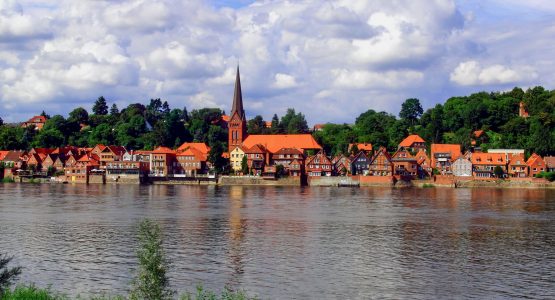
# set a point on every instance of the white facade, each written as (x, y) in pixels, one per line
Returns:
(462, 167)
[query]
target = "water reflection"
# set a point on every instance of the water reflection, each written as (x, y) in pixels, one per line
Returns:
(324, 243)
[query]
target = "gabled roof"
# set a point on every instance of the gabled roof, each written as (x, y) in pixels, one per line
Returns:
(406, 157)
(35, 157)
(322, 155)
(163, 150)
(358, 156)
(534, 159)
(274, 142)
(41, 119)
(488, 159)
(381, 151)
(453, 149)
(256, 149)
(478, 133)
(421, 156)
(13, 156)
(410, 140)
(226, 118)
(3, 154)
(202, 147)
(194, 152)
(517, 160)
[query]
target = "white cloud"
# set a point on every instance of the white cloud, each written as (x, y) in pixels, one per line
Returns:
(472, 73)
(284, 81)
(315, 56)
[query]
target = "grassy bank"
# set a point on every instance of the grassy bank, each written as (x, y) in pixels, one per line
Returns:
(31, 292)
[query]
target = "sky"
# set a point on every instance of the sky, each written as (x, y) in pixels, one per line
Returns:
(330, 60)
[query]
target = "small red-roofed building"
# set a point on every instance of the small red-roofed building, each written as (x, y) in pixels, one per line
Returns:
(413, 142)
(424, 163)
(37, 121)
(536, 165)
(257, 158)
(318, 165)
(517, 166)
(381, 163)
(110, 154)
(484, 164)
(162, 162)
(443, 155)
(404, 163)
(191, 162)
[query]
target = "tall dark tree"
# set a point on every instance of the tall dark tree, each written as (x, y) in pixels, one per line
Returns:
(79, 115)
(100, 107)
(411, 110)
(45, 115)
(185, 116)
(256, 125)
(1, 121)
(114, 111)
(275, 124)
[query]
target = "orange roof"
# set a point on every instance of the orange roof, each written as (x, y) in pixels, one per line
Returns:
(142, 152)
(3, 154)
(256, 149)
(454, 149)
(268, 124)
(274, 142)
(410, 140)
(194, 152)
(40, 119)
(361, 146)
(534, 159)
(163, 150)
(488, 159)
(225, 155)
(517, 159)
(226, 118)
(202, 147)
(478, 133)
(421, 156)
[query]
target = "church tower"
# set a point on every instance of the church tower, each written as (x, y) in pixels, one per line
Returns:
(237, 125)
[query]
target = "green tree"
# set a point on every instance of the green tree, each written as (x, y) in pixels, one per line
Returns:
(1, 121)
(151, 281)
(498, 171)
(12, 138)
(275, 124)
(100, 107)
(244, 165)
(256, 125)
(411, 110)
(114, 111)
(79, 115)
(7, 275)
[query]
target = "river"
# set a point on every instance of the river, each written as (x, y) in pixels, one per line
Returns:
(289, 242)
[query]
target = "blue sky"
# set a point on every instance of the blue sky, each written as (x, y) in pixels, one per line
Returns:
(330, 60)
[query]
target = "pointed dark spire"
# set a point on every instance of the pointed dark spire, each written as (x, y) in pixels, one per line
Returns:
(238, 97)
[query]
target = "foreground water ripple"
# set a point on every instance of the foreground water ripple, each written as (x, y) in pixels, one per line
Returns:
(289, 243)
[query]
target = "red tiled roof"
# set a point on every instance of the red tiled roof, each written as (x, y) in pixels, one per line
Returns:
(478, 133)
(454, 149)
(117, 150)
(3, 154)
(194, 152)
(202, 147)
(534, 159)
(488, 159)
(517, 160)
(163, 150)
(410, 140)
(226, 118)
(289, 151)
(274, 142)
(256, 149)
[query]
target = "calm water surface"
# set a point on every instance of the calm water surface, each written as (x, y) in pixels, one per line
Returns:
(289, 243)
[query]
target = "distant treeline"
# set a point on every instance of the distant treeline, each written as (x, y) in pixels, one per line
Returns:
(140, 126)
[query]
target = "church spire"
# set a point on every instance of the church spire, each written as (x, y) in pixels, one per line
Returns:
(238, 97)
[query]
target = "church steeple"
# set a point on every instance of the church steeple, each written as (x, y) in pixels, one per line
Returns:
(238, 97)
(237, 126)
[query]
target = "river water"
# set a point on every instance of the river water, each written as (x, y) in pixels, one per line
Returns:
(289, 243)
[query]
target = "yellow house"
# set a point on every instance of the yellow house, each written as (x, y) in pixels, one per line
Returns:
(236, 157)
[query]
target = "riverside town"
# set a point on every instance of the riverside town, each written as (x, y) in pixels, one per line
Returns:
(275, 153)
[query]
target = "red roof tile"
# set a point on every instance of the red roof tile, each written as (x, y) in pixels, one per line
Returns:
(410, 140)
(274, 142)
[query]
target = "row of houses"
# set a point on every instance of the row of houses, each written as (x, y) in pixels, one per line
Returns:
(75, 164)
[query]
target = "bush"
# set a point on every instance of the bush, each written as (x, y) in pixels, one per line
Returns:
(227, 294)
(8, 180)
(151, 282)
(30, 292)
(547, 175)
(7, 275)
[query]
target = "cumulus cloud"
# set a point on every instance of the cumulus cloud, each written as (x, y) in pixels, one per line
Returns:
(472, 73)
(311, 55)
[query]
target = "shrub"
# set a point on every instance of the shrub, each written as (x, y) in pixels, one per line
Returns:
(30, 292)
(151, 282)
(226, 294)
(7, 275)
